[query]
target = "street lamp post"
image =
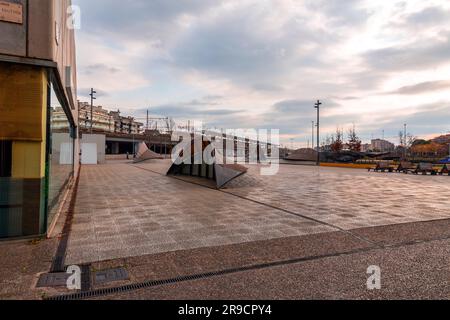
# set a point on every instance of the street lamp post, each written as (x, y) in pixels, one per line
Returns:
(93, 92)
(134, 147)
(317, 106)
(405, 142)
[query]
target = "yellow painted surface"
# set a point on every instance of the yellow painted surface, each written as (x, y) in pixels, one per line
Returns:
(22, 96)
(348, 165)
(27, 160)
(44, 111)
(23, 110)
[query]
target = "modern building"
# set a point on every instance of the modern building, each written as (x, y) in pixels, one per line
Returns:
(366, 147)
(38, 94)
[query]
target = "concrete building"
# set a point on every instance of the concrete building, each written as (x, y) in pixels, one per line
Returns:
(382, 145)
(38, 161)
(121, 135)
(107, 121)
(366, 147)
(59, 119)
(126, 125)
(121, 144)
(114, 134)
(102, 119)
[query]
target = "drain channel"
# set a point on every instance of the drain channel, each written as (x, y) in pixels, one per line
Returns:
(155, 283)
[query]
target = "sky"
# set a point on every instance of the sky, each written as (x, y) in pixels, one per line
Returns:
(263, 64)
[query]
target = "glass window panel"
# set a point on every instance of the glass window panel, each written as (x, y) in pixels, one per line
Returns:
(61, 157)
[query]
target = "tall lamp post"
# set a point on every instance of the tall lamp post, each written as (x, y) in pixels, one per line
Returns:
(92, 94)
(405, 142)
(317, 106)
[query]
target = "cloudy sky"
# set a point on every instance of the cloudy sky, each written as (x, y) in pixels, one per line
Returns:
(262, 64)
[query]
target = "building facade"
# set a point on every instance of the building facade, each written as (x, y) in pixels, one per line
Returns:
(123, 134)
(103, 121)
(366, 147)
(126, 125)
(380, 145)
(38, 155)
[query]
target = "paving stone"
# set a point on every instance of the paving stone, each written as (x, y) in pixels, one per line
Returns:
(148, 213)
(110, 275)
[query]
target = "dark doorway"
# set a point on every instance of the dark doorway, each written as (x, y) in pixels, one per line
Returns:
(5, 158)
(113, 147)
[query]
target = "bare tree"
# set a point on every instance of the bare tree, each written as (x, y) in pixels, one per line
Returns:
(337, 143)
(353, 140)
(408, 140)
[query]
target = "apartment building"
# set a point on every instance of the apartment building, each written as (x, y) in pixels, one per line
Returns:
(126, 125)
(102, 119)
(381, 145)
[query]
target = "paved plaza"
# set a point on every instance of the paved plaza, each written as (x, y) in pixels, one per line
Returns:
(124, 210)
(349, 198)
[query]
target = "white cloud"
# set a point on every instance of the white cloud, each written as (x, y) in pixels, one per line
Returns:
(257, 53)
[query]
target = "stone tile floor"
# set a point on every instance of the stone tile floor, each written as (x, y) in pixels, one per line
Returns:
(124, 210)
(349, 198)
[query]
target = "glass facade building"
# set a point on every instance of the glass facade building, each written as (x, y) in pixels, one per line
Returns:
(38, 116)
(61, 155)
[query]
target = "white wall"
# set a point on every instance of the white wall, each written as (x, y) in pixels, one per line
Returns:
(100, 140)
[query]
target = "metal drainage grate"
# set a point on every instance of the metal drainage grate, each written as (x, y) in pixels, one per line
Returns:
(111, 275)
(85, 277)
(156, 283)
(53, 280)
